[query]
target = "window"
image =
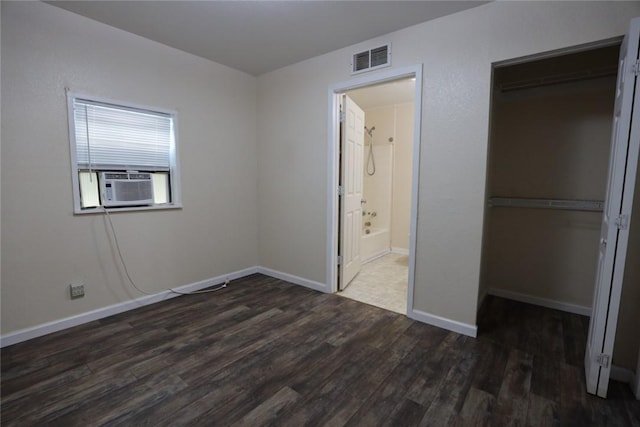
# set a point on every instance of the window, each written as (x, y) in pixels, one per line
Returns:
(123, 156)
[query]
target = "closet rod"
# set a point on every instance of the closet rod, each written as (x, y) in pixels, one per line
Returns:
(574, 205)
(559, 78)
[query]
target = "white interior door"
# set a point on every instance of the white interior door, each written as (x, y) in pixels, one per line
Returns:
(614, 235)
(351, 177)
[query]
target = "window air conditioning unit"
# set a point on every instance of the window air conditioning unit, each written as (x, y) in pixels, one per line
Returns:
(126, 188)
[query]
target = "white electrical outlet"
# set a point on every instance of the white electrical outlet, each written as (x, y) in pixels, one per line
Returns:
(77, 290)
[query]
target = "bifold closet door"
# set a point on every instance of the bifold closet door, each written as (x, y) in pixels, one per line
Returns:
(623, 162)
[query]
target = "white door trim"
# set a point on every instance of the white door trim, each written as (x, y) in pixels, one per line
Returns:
(333, 167)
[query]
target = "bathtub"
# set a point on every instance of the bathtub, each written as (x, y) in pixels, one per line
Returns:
(374, 244)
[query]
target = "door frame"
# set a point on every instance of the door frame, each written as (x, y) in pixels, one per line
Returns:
(333, 166)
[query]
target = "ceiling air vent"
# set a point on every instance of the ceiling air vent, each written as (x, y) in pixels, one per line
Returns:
(371, 59)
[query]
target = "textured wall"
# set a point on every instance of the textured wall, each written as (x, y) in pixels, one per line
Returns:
(456, 52)
(44, 246)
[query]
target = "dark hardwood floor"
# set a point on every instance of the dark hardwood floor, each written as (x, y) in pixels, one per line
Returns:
(265, 352)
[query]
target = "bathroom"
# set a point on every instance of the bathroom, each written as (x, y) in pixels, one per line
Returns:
(387, 187)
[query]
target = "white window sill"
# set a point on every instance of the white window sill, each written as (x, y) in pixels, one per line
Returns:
(100, 210)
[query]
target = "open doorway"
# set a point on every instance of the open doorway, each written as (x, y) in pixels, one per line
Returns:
(374, 125)
(383, 215)
(547, 177)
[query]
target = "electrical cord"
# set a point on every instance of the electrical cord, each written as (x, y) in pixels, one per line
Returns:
(126, 270)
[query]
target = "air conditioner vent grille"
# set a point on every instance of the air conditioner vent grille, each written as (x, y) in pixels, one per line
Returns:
(115, 175)
(371, 59)
(361, 61)
(133, 191)
(379, 56)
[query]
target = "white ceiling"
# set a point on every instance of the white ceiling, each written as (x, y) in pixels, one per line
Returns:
(261, 36)
(382, 95)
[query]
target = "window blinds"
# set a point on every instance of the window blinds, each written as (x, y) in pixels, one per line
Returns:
(115, 137)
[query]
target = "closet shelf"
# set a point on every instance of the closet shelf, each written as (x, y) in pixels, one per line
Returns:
(573, 205)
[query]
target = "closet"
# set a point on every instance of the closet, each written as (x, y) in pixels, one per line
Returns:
(547, 174)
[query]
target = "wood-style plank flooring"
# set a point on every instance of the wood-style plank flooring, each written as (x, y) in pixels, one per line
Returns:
(266, 352)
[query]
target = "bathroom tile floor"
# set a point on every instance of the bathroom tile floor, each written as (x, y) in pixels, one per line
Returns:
(382, 283)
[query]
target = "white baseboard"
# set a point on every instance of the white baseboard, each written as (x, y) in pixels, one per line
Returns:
(444, 323)
(421, 316)
(376, 255)
(627, 376)
(317, 286)
(621, 374)
(544, 302)
(69, 322)
(400, 251)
